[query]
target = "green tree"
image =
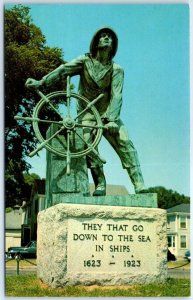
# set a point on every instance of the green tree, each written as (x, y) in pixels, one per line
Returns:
(30, 178)
(26, 55)
(168, 198)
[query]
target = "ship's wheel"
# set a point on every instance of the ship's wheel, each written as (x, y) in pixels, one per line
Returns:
(62, 105)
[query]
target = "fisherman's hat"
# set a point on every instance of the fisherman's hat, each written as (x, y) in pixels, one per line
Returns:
(95, 39)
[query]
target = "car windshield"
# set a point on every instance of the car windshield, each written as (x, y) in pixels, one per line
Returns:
(31, 244)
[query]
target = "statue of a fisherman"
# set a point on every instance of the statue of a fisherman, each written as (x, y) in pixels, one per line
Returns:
(99, 74)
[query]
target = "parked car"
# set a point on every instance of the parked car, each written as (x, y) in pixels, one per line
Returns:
(7, 256)
(187, 255)
(28, 251)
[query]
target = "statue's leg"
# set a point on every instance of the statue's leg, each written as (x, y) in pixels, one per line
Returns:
(128, 155)
(99, 180)
(93, 162)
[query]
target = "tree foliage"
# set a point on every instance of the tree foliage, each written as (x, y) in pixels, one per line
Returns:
(26, 55)
(168, 198)
(30, 178)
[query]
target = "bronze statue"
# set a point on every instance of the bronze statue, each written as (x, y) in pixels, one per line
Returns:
(100, 75)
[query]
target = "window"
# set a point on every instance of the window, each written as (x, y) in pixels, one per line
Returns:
(168, 222)
(183, 241)
(182, 222)
(171, 241)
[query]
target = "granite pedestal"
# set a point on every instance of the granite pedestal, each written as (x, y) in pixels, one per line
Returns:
(102, 244)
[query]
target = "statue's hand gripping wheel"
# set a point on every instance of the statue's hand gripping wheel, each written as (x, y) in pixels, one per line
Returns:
(68, 122)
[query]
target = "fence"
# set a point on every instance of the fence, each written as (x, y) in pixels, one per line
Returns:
(18, 258)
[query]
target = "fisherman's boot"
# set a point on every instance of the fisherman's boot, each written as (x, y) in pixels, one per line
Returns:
(137, 179)
(99, 181)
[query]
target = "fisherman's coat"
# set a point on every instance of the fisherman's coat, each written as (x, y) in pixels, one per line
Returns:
(108, 81)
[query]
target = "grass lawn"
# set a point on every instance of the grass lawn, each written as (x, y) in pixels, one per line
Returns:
(29, 286)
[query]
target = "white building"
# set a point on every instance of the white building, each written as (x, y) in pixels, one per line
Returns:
(13, 222)
(178, 229)
(21, 223)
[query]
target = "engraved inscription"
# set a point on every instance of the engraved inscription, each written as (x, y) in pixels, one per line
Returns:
(111, 246)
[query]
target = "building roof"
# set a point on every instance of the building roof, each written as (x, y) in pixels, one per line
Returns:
(185, 208)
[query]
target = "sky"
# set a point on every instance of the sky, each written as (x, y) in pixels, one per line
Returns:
(154, 52)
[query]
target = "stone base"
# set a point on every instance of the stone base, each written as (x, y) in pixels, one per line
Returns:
(104, 245)
(58, 183)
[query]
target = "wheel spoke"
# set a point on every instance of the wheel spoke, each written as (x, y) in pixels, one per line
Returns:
(42, 145)
(68, 95)
(93, 149)
(31, 119)
(90, 126)
(51, 122)
(89, 106)
(68, 157)
(48, 101)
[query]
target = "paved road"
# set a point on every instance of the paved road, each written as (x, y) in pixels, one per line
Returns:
(178, 273)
